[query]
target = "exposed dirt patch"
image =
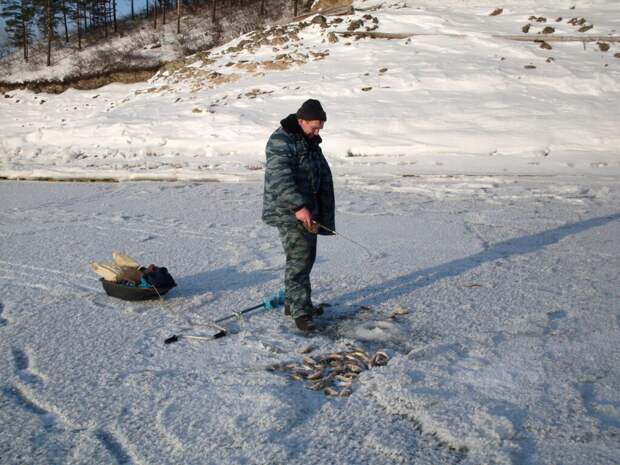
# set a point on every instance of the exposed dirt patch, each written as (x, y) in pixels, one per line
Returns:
(86, 82)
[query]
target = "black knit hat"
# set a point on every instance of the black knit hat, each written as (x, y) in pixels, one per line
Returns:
(311, 110)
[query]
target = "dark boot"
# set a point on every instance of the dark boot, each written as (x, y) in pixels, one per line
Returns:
(316, 310)
(305, 323)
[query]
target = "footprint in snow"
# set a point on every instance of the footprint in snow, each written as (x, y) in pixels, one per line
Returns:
(3, 321)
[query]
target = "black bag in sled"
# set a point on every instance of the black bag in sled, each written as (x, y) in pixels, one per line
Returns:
(154, 283)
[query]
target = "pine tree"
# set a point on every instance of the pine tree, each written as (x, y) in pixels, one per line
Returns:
(65, 8)
(47, 15)
(114, 16)
(18, 15)
(50, 20)
(78, 13)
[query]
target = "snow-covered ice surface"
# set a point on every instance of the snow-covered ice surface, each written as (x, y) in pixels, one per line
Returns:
(461, 100)
(505, 346)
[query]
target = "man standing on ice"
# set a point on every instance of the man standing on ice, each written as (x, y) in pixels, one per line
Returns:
(299, 193)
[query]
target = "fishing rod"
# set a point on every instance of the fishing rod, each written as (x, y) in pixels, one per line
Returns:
(370, 255)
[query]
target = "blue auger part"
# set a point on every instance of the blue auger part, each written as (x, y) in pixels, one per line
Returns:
(267, 303)
(270, 302)
(277, 299)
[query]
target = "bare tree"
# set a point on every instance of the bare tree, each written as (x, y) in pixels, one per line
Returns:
(77, 22)
(114, 15)
(25, 31)
(63, 8)
(50, 30)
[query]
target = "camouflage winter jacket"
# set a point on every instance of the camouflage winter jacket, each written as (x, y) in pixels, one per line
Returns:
(297, 175)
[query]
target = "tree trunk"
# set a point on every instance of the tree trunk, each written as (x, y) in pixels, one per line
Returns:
(64, 19)
(24, 32)
(79, 33)
(154, 15)
(213, 2)
(262, 8)
(114, 14)
(105, 18)
(163, 8)
(50, 32)
(178, 16)
(147, 8)
(294, 8)
(85, 17)
(132, 15)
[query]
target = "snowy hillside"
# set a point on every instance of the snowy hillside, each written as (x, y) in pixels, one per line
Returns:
(457, 97)
(137, 46)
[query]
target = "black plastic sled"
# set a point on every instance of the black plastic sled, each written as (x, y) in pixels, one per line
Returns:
(122, 291)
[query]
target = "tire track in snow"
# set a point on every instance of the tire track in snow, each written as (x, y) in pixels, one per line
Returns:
(3, 321)
(23, 370)
(114, 446)
(13, 274)
(53, 420)
(20, 398)
(50, 416)
(12, 265)
(152, 228)
(21, 360)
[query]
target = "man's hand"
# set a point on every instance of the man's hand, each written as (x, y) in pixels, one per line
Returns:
(305, 217)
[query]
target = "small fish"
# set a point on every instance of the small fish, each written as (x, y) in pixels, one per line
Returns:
(301, 372)
(333, 357)
(290, 366)
(309, 361)
(353, 368)
(330, 392)
(315, 375)
(336, 363)
(380, 359)
(339, 370)
(306, 349)
(355, 359)
(298, 377)
(317, 385)
(360, 354)
(346, 392)
(357, 349)
(362, 364)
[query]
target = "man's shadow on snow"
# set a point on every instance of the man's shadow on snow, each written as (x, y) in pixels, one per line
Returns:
(408, 283)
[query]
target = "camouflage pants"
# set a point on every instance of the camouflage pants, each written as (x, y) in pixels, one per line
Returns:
(300, 249)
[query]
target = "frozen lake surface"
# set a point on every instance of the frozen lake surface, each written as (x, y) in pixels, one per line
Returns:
(504, 347)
